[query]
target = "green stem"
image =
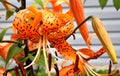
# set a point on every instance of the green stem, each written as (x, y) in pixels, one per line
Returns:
(7, 41)
(110, 67)
(23, 4)
(26, 50)
(12, 5)
(79, 26)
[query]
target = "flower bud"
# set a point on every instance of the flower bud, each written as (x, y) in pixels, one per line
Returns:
(102, 35)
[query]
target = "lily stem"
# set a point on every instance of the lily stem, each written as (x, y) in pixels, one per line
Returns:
(23, 4)
(110, 67)
(11, 5)
(7, 41)
(26, 50)
(79, 26)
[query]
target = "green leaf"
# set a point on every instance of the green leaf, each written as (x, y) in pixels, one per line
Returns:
(116, 4)
(9, 13)
(3, 33)
(103, 3)
(39, 2)
(14, 50)
(1, 0)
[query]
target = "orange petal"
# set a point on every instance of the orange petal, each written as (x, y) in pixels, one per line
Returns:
(90, 54)
(37, 20)
(4, 50)
(65, 18)
(32, 46)
(79, 16)
(86, 53)
(33, 9)
(6, 5)
(81, 68)
(56, 8)
(38, 16)
(67, 71)
(2, 70)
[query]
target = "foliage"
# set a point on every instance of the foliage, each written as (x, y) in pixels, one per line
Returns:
(39, 2)
(20, 46)
(103, 3)
(1, 0)
(14, 50)
(9, 13)
(104, 71)
(116, 4)
(2, 34)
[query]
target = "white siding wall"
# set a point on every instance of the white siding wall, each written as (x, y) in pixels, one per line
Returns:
(109, 16)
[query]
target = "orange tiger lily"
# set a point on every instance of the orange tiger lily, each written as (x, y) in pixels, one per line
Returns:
(55, 28)
(79, 17)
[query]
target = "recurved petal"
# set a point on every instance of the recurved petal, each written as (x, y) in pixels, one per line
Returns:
(6, 5)
(79, 17)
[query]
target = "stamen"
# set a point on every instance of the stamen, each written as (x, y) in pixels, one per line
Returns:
(87, 66)
(86, 71)
(83, 55)
(78, 53)
(44, 53)
(37, 55)
(54, 54)
(90, 70)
